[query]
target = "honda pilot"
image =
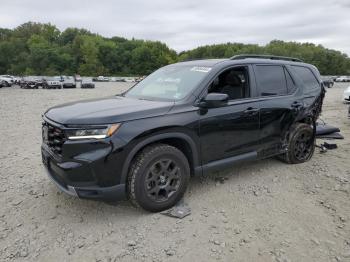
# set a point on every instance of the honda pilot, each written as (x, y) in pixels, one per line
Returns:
(185, 119)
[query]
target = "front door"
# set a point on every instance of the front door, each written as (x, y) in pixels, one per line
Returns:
(233, 129)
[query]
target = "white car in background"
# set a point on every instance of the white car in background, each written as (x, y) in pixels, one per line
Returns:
(346, 94)
(69, 82)
(103, 79)
(342, 79)
(6, 80)
(129, 79)
(52, 83)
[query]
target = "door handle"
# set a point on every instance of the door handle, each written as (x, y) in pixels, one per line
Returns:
(297, 105)
(251, 111)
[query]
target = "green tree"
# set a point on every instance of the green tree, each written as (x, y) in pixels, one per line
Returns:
(41, 49)
(89, 50)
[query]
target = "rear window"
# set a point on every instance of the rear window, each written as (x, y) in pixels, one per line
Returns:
(308, 78)
(271, 80)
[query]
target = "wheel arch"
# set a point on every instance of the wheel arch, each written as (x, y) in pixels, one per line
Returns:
(181, 141)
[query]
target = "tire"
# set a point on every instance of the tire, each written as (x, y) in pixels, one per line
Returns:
(301, 144)
(156, 163)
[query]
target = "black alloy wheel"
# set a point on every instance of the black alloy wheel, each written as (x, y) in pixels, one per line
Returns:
(158, 177)
(163, 180)
(303, 146)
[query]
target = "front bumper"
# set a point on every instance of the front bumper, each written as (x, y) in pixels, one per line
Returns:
(78, 178)
(103, 193)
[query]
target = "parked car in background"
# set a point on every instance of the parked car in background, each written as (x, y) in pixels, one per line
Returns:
(69, 82)
(87, 83)
(52, 83)
(6, 80)
(327, 82)
(30, 82)
(139, 79)
(77, 78)
(129, 79)
(343, 79)
(119, 79)
(333, 78)
(346, 94)
(100, 79)
(17, 80)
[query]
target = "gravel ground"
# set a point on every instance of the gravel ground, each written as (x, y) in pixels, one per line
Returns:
(262, 211)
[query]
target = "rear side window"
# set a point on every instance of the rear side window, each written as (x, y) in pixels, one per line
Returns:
(291, 87)
(271, 80)
(307, 77)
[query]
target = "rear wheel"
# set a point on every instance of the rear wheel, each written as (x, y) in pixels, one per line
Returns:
(158, 177)
(301, 145)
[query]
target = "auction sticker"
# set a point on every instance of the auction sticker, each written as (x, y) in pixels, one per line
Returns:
(201, 69)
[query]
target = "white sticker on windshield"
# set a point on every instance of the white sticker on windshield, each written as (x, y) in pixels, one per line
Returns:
(201, 69)
(177, 95)
(168, 80)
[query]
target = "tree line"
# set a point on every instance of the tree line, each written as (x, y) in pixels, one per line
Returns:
(328, 61)
(42, 49)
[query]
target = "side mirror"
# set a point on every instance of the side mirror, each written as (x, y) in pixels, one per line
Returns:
(213, 100)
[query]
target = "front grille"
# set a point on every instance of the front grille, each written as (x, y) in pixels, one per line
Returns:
(54, 138)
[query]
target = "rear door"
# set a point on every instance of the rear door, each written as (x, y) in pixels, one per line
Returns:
(279, 102)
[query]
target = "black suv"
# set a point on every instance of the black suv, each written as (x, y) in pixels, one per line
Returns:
(185, 119)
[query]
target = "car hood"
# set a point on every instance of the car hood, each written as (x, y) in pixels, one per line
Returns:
(107, 110)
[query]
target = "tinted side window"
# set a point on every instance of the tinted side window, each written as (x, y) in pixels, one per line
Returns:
(307, 77)
(291, 87)
(271, 80)
(234, 82)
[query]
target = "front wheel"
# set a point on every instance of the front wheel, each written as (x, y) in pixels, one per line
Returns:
(158, 177)
(301, 144)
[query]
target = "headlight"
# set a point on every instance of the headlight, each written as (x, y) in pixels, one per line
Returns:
(93, 132)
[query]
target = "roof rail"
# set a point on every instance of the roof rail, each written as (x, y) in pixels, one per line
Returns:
(272, 57)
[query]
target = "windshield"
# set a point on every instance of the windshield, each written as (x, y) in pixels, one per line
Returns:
(169, 83)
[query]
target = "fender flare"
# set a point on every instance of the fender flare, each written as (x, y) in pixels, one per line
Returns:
(155, 138)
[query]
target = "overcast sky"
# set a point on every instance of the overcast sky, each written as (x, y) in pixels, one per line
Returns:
(190, 23)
